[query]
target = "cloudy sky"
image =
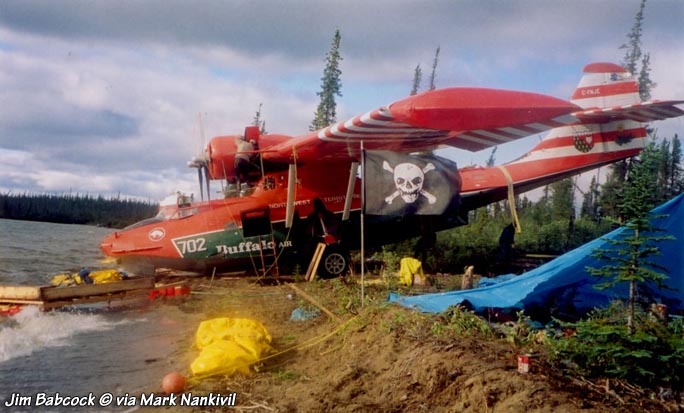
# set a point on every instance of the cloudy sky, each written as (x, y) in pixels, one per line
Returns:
(103, 97)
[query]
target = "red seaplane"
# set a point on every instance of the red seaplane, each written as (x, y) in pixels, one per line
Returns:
(295, 192)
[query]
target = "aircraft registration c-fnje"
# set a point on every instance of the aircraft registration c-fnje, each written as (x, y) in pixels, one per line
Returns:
(294, 192)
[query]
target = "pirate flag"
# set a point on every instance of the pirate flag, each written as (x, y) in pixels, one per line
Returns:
(400, 184)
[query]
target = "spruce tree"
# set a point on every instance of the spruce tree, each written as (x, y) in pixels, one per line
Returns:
(676, 177)
(635, 56)
(434, 70)
(257, 121)
(492, 158)
(611, 191)
(629, 258)
(417, 78)
(331, 86)
(612, 188)
(663, 171)
(562, 199)
(590, 201)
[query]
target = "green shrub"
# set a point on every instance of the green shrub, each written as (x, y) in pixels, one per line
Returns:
(603, 346)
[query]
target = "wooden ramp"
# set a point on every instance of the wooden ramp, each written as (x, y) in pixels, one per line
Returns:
(48, 297)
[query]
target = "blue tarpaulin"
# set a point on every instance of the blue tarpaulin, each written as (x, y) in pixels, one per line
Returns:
(564, 285)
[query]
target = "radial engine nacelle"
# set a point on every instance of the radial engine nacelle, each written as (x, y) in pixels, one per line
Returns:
(219, 156)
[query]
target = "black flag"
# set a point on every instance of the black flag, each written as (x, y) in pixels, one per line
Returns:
(400, 184)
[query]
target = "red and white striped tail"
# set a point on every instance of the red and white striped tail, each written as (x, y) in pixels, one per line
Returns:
(608, 92)
(608, 129)
(605, 85)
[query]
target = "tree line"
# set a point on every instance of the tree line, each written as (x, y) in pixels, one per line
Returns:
(75, 209)
(564, 217)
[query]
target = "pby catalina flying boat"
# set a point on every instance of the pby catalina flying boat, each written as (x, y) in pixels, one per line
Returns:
(282, 196)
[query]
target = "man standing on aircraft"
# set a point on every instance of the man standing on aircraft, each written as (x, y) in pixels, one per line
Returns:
(242, 159)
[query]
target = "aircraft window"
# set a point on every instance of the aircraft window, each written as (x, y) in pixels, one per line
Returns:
(163, 215)
(184, 213)
(147, 221)
(269, 183)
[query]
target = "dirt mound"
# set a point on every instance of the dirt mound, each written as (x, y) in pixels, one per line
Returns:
(383, 359)
(373, 366)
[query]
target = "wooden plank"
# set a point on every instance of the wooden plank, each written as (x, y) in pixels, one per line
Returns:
(19, 292)
(18, 301)
(84, 290)
(314, 302)
(315, 260)
(48, 305)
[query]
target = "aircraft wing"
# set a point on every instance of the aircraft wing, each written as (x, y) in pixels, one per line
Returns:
(639, 112)
(467, 118)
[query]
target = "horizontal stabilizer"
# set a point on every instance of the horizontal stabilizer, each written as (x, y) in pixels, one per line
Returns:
(639, 112)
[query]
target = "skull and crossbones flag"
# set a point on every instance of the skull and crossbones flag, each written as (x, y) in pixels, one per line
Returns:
(400, 184)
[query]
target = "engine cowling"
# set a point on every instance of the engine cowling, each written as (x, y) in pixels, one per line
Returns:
(221, 151)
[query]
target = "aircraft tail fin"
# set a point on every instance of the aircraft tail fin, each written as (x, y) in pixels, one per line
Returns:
(605, 85)
(609, 128)
(607, 92)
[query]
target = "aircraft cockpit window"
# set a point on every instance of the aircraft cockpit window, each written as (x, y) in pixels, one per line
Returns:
(163, 215)
(184, 213)
(157, 218)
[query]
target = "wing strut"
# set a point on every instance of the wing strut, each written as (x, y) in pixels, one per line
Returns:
(291, 185)
(511, 198)
(350, 190)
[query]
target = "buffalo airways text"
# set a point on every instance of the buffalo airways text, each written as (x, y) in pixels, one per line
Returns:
(200, 244)
(249, 246)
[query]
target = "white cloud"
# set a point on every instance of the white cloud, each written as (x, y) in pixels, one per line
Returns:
(98, 98)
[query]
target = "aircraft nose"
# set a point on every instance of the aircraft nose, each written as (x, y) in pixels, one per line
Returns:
(107, 244)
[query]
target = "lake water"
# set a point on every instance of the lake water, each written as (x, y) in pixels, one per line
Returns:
(96, 349)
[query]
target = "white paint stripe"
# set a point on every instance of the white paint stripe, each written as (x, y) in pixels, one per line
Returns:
(475, 140)
(566, 151)
(599, 79)
(366, 118)
(613, 100)
(493, 135)
(389, 129)
(344, 137)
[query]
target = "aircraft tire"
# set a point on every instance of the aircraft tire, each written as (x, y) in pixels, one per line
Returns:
(335, 262)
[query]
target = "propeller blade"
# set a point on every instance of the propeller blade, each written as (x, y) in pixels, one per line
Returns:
(206, 176)
(199, 177)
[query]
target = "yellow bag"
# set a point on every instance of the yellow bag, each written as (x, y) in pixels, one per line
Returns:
(229, 345)
(105, 276)
(98, 277)
(62, 280)
(222, 357)
(408, 268)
